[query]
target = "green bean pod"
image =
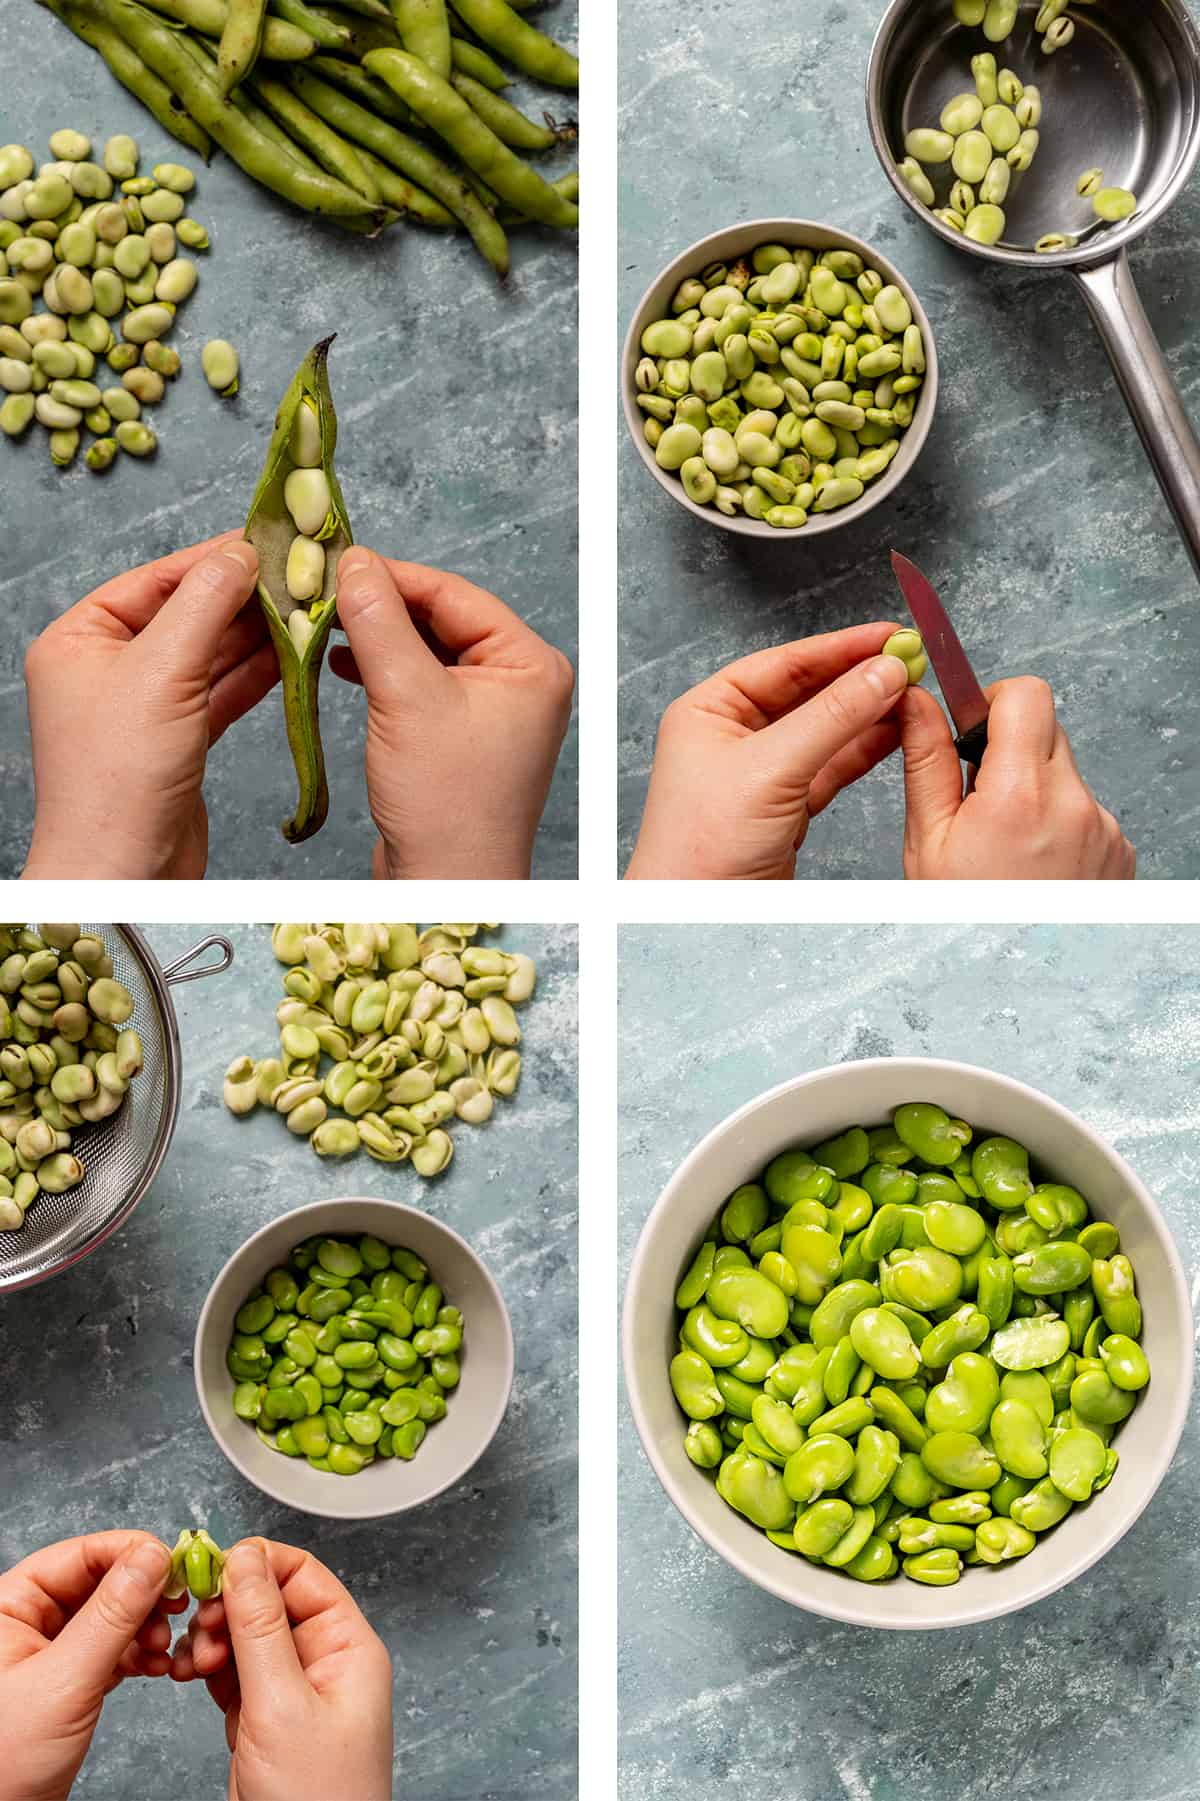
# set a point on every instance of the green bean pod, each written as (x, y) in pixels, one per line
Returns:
(127, 67)
(508, 122)
(193, 77)
(480, 149)
(313, 134)
(376, 96)
(270, 529)
(470, 59)
(241, 42)
(497, 25)
(425, 32)
(322, 31)
(413, 159)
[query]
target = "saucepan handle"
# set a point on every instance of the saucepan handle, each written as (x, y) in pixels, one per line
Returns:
(1149, 389)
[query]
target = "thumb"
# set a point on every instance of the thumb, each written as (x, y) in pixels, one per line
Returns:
(92, 1643)
(804, 740)
(393, 660)
(188, 628)
(267, 1661)
(933, 782)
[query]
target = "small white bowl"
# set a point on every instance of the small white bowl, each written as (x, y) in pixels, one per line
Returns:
(724, 246)
(473, 1412)
(813, 1107)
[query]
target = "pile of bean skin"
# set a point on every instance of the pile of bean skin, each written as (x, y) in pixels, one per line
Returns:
(902, 1351)
(197, 1566)
(987, 138)
(345, 1354)
(92, 258)
(386, 1035)
(67, 1057)
(367, 114)
(781, 386)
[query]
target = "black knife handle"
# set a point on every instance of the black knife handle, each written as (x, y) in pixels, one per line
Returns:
(972, 744)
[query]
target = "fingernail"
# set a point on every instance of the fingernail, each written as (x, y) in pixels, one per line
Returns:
(887, 675)
(356, 561)
(241, 553)
(149, 1562)
(246, 1563)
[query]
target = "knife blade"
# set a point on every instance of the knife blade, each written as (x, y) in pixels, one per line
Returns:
(964, 697)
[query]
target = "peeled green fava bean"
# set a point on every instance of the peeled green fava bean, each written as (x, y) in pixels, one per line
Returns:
(694, 1386)
(883, 1341)
(271, 528)
(966, 1396)
(755, 1488)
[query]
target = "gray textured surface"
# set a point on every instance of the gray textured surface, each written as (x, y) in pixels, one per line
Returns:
(475, 1594)
(1032, 508)
(1093, 1694)
(457, 409)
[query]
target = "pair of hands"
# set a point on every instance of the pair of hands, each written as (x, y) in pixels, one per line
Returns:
(746, 760)
(466, 711)
(307, 1704)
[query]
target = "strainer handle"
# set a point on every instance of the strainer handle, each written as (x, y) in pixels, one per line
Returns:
(180, 970)
(1149, 389)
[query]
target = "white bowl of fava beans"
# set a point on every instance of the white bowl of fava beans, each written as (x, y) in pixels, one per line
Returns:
(474, 1410)
(801, 1113)
(725, 247)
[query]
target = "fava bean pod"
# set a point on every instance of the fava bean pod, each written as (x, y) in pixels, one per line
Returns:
(907, 1350)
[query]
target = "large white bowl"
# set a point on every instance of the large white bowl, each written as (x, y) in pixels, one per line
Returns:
(811, 1108)
(473, 1412)
(740, 240)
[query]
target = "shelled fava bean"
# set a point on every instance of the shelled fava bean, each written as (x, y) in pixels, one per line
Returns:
(387, 1034)
(101, 262)
(991, 136)
(345, 1354)
(781, 386)
(903, 1350)
(197, 1566)
(67, 1057)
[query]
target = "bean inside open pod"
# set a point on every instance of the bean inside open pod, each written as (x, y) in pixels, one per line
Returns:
(300, 629)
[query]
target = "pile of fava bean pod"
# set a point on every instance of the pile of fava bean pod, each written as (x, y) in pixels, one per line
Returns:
(901, 1350)
(781, 383)
(345, 1354)
(362, 112)
(418, 1029)
(67, 1057)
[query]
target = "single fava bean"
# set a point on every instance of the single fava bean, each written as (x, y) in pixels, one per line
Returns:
(884, 1343)
(755, 1488)
(221, 365)
(1125, 1362)
(746, 1295)
(1033, 1343)
(910, 648)
(966, 1396)
(694, 1387)
(961, 1460)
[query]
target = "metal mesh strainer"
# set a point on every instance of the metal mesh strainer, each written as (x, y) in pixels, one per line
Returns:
(121, 1154)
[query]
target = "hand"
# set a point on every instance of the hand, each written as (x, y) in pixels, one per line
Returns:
(75, 1619)
(466, 711)
(1029, 815)
(307, 1691)
(127, 691)
(748, 758)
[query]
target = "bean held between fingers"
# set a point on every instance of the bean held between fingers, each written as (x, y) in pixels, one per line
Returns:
(908, 1339)
(197, 1566)
(344, 1354)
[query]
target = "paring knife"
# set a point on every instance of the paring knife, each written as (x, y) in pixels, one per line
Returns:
(964, 697)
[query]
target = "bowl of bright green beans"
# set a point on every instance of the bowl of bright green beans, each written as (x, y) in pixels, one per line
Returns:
(366, 1342)
(779, 378)
(962, 1262)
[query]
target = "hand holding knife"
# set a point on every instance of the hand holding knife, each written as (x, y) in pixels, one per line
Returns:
(964, 697)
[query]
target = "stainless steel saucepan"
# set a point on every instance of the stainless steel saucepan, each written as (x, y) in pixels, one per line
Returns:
(1124, 96)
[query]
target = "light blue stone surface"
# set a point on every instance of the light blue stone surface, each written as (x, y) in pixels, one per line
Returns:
(457, 409)
(1032, 509)
(1093, 1695)
(475, 1593)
